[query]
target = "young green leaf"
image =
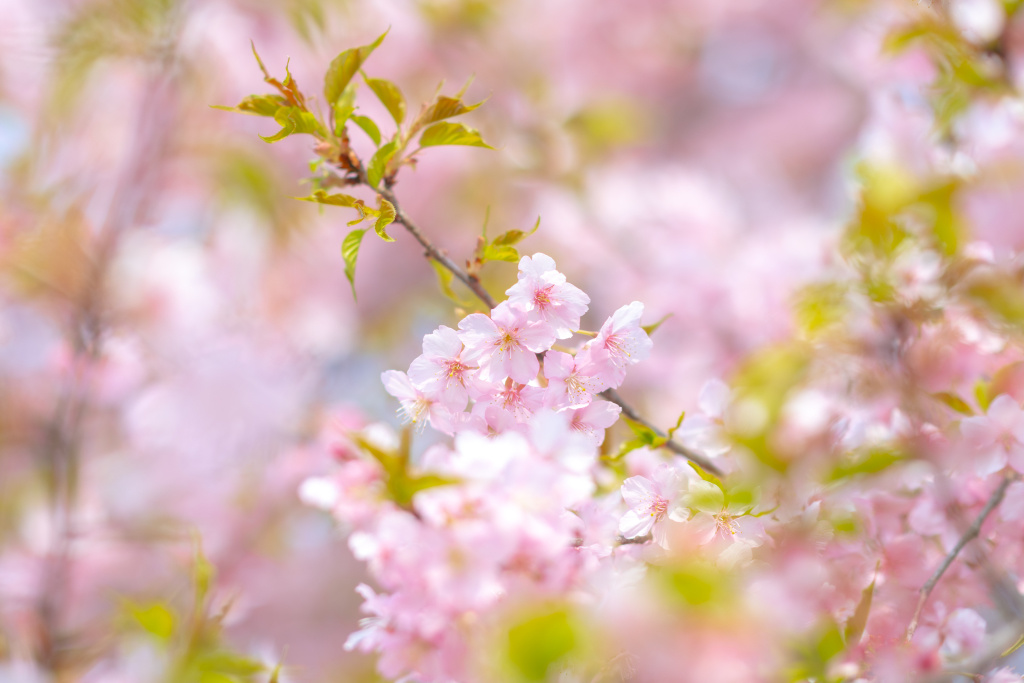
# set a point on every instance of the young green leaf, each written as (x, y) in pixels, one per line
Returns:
(953, 401)
(321, 197)
(446, 133)
(444, 107)
(344, 67)
(512, 237)
(386, 218)
(389, 94)
(155, 618)
(378, 163)
(289, 89)
(493, 252)
(343, 108)
(294, 121)
(260, 105)
(855, 626)
(369, 127)
(649, 329)
(445, 279)
(350, 252)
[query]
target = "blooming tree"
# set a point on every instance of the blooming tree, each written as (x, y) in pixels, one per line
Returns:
(841, 500)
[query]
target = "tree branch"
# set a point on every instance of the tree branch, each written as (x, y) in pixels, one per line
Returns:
(969, 535)
(691, 455)
(473, 283)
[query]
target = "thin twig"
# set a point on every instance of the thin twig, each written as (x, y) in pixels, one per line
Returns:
(478, 289)
(968, 536)
(691, 455)
(433, 252)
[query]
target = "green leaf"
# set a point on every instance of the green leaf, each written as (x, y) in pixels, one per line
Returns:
(404, 486)
(260, 105)
(649, 329)
(369, 127)
(445, 279)
(156, 619)
(378, 163)
(855, 626)
(229, 663)
(386, 218)
(642, 436)
(682, 415)
(872, 462)
(982, 395)
(954, 402)
(321, 197)
(446, 133)
(512, 236)
(344, 67)
(343, 108)
(389, 94)
(444, 107)
(705, 496)
(499, 253)
(349, 252)
(538, 643)
(694, 584)
(203, 571)
(813, 656)
(294, 121)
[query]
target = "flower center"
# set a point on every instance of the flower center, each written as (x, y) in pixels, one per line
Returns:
(657, 507)
(542, 297)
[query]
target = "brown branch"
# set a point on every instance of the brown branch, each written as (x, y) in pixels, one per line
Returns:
(478, 289)
(433, 252)
(691, 455)
(969, 535)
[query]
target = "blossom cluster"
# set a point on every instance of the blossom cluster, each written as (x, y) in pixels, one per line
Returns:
(494, 361)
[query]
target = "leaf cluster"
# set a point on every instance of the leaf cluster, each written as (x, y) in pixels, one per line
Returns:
(292, 110)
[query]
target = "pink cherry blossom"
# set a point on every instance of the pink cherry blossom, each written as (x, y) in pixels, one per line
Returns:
(592, 419)
(518, 400)
(505, 343)
(704, 430)
(997, 437)
(416, 405)
(441, 372)
(544, 293)
(622, 338)
(573, 381)
(650, 502)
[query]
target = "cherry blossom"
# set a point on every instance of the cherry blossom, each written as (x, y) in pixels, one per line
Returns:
(416, 405)
(996, 437)
(650, 501)
(622, 338)
(441, 372)
(573, 380)
(505, 343)
(544, 293)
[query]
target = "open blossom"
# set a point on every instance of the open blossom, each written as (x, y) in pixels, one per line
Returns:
(704, 431)
(441, 371)
(518, 400)
(572, 381)
(623, 339)
(544, 293)
(997, 436)
(505, 343)
(416, 405)
(649, 501)
(592, 419)
(710, 517)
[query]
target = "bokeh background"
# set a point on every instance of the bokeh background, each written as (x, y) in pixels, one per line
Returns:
(178, 342)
